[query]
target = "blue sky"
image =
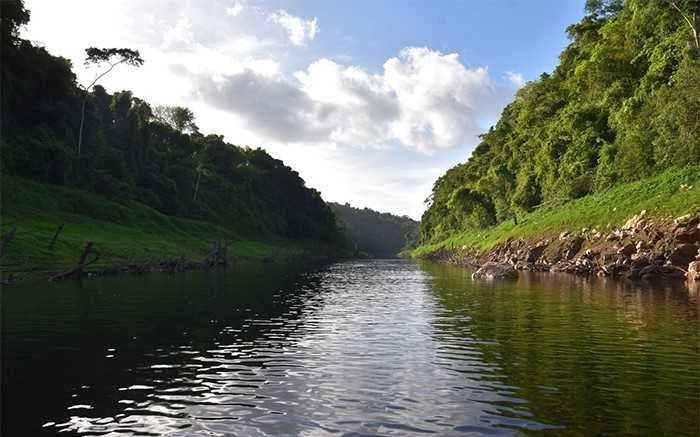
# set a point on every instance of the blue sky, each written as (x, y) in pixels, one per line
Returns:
(506, 35)
(370, 101)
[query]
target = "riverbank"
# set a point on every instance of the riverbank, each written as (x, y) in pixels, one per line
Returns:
(643, 230)
(128, 237)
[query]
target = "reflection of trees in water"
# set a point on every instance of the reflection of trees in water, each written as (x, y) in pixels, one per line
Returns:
(595, 355)
(151, 331)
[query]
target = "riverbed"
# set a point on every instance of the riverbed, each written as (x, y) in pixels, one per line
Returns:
(372, 347)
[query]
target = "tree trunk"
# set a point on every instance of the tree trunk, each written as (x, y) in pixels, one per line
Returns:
(82, 123)
(196, 185)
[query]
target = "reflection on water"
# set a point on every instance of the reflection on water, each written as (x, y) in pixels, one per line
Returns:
(358, 348)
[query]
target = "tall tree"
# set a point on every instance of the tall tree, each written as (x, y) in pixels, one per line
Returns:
(107, 58)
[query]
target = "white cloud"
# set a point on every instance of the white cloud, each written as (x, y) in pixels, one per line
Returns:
(356, 135)
(179, 33)
(299, 31)
(423, 99)
(235, 10)
(516, 78)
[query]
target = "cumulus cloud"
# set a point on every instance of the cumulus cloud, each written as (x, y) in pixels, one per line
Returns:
(516, 78)
(299, 31)
(423, 99)
(270, 106)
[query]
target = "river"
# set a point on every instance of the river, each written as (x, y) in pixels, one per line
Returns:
(381, 347)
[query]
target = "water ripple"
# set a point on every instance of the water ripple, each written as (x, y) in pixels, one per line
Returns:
(386, 348)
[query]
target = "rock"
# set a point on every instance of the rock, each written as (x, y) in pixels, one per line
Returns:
(687, 235)
(635, 222)
(693, 273)
(687, 220)
(563, 235)
(627, 250)
(641, 245)
(492, 270)
(683, 254)
(535, 253)
(573, 248)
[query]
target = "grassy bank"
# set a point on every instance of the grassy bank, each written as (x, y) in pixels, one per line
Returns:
(123, 232)
(671, 194)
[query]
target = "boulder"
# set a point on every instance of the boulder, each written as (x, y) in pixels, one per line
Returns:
(627, 250)
(535, 253)
(492, 270)
(683, 254)
(688, 235)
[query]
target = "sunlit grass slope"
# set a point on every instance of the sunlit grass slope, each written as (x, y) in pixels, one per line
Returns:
(671, 194)
(121, 232)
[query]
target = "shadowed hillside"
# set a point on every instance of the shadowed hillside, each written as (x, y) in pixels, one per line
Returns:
(374, 233)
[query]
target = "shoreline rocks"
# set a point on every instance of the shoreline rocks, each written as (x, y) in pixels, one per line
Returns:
(640, 249)
(492, 270)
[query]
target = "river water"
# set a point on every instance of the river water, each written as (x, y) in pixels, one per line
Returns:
(385, 347)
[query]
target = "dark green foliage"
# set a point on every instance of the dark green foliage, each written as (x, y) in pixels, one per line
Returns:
(623, 104)
(130, 153)
(375, 233)
(96, 55)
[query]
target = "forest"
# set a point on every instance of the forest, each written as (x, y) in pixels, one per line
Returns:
(374, 233)
(59, 132)
(622, 105)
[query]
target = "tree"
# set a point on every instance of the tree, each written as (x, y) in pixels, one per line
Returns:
(177, 117)
(13, 15)
(690, 17)
(604, 8)
(99, 57)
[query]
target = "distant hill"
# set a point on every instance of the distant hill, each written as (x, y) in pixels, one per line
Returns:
(375, 233)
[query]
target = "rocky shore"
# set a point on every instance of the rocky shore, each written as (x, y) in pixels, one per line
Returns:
(641, 249)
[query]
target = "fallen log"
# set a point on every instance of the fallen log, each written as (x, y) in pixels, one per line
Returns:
(77, 271)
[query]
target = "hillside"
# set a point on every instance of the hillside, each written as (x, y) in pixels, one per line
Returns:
(620, 107)
(374, 233)
(117, 157)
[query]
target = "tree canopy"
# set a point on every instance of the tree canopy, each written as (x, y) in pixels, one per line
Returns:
(622, 104)
(132, 153)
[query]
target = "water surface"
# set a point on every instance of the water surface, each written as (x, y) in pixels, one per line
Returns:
(357, 348)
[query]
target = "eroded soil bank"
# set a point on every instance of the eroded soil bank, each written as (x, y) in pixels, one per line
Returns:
(641, 249)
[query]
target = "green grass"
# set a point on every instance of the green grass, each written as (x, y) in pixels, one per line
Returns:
(122, 232)
(661, 196)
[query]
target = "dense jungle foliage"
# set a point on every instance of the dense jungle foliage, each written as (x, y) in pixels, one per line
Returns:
(132, 151)
(623, 104)
(375, 233)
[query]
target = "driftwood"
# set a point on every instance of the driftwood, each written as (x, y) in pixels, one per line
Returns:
(55, 236)
(77, 271)
(9, 236)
